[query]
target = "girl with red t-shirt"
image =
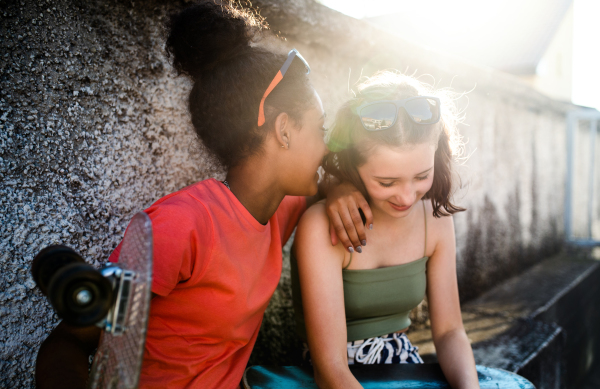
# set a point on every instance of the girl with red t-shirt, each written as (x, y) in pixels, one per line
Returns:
(217, 245)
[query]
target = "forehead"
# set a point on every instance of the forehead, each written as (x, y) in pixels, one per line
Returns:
(386, 161)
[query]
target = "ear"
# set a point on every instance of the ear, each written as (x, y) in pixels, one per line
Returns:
(283, 126)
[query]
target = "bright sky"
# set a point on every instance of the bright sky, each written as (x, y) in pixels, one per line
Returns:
(586, 53)
(586, 45)
(361, 9)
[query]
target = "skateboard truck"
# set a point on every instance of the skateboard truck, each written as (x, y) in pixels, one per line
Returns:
(82, 295)
(121, 281)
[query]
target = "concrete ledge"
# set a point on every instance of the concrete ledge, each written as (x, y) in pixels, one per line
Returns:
(542, 324)
(530, 348)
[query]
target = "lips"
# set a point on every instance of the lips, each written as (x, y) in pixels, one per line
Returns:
(399, 208)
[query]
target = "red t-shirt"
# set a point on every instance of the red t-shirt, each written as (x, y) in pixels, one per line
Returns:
(215, 269)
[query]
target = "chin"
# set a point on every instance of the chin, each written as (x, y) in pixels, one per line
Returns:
(399, 214)
(393, 213)
(314, 188)
(314, 185)
(383, 206)
(309, 188)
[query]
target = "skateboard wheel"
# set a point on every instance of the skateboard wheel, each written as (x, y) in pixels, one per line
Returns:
(80, 294)
(49, 261)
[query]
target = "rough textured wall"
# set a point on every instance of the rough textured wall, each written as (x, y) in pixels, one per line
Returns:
(93, 128)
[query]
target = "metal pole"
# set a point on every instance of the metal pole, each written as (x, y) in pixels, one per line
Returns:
(593, 125)
(568, 195)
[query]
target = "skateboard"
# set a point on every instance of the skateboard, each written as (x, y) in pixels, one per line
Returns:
(413, 376)
(115, 298)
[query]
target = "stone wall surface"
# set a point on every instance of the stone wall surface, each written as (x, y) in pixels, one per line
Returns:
(93, 128)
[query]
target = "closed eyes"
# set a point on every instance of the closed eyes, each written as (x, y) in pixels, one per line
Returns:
(389, 184)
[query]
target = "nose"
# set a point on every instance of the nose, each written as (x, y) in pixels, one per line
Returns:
(406, 195)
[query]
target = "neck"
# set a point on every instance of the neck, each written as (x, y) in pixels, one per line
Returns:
(256, 187)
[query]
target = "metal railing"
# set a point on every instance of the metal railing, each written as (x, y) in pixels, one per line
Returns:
(573, 120)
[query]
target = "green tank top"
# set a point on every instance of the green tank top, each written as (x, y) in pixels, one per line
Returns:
(377, 301)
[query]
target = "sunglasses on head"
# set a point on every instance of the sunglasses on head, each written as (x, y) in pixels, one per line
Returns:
(278, 77)
(383, 114)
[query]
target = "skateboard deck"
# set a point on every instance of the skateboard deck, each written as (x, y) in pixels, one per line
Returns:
(118, 360)
(411, 376)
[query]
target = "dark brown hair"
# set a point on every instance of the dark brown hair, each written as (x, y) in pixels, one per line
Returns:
(216, 44)
(350, 144)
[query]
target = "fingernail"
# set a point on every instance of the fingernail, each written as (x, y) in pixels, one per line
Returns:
(359, 249)
(351, 249)
(371, 226)
(364, 242)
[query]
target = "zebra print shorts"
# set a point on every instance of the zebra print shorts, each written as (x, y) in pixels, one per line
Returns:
(387, 349)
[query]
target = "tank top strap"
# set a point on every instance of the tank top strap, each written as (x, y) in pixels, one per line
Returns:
(425, 218)
(349, 262)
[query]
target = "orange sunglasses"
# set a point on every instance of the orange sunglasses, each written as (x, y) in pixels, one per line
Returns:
(278, 77)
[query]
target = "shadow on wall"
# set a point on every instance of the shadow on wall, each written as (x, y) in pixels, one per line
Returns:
(494, 251)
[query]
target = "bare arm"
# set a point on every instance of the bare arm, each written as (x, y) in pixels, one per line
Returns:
(452, 345)
(320, 271)
(63, 359)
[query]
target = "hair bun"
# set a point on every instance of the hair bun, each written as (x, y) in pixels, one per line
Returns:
(209, 33)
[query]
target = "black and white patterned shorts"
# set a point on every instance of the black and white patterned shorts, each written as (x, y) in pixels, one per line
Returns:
(387, 349)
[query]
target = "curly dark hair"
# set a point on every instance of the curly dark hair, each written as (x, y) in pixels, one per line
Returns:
(215, 44)
(350, 144)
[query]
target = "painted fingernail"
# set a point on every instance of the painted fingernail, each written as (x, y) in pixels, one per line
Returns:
(364, 242)
(371, 226)
(359, 249)
(351, 249)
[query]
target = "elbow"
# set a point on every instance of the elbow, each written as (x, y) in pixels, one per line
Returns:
(332, 376)
(442, 336)
(321, 379)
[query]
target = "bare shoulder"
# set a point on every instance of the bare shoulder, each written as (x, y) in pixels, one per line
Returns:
(314, 219)
(312, 234)
(440, 230)
(443, 222)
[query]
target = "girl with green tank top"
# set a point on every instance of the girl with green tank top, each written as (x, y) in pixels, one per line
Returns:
(395, 142)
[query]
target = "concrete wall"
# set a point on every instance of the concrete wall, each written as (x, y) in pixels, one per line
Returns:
(585, 202)
(93, 128)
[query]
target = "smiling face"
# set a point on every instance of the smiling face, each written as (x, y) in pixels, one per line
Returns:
(396, 178)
